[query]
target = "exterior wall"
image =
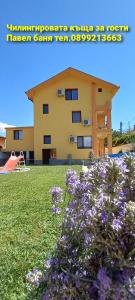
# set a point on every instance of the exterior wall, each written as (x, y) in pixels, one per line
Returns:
(94, 106)
(104, 97)
(58, 123)
(26, 144)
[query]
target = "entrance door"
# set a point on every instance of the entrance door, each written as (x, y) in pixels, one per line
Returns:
(45, 156)
(101, 148)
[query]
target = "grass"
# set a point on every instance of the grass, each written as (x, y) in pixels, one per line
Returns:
(27, 227)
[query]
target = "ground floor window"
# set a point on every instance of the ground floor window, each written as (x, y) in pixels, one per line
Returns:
(84, 142)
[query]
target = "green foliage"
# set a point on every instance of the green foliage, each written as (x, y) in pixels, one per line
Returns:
(123, 139)
(116, 133)
(91, 157)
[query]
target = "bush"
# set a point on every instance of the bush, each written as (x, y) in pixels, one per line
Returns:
(95, 254)
(123, 139)
(91, 157)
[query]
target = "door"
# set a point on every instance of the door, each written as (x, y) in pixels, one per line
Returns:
(101, 148)
(45, 156)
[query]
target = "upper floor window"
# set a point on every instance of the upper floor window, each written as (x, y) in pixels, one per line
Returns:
(18, 134)
(45, 109)
(47, 139)
(71, 94)
(76, 116)
(84, 142)
(99, 90)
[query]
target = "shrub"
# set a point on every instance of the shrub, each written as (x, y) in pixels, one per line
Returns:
(123, 139)
(91, 157)
(95, 253)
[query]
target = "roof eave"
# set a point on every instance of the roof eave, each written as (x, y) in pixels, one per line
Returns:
(29, 92)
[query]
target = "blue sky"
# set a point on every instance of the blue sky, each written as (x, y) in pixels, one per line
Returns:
(24, 65)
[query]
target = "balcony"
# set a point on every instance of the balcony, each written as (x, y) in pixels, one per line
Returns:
(103, 125)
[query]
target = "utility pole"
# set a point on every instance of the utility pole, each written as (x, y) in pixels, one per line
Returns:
(129, 129)
(121, 127)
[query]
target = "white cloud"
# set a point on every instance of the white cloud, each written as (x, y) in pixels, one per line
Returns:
(3, 126)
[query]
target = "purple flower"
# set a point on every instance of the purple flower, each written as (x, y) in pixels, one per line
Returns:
(77, 283)
(56, 210)
(132, 290)
(123, 276)
(104, 217)
(121, 194)
(56, 193)
(87, 239)
(101, 294)
(116, 224)
(102, 173)
(34, 277)
(102, 198)
(46, 296)
(104, 280)
(117, 294)
(121, 164)
(91, 212)
(47, 263)
(73, 204)
(71, 181)
(121, 208)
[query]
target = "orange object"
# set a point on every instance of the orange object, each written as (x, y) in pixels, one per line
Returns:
(12, 162)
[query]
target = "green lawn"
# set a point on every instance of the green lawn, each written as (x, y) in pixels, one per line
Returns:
(27, 227)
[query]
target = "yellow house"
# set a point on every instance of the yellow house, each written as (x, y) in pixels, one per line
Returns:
(72, 116)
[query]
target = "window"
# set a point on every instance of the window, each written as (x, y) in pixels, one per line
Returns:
(47, 139)
(76, 116)
(106, 121)
(71, 94)
(84, 142)
(99, 90)
(45, 109)
(18, 134)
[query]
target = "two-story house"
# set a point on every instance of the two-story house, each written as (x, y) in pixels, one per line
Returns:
(72, 116)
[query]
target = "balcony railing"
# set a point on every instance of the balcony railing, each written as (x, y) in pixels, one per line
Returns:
(104, 126)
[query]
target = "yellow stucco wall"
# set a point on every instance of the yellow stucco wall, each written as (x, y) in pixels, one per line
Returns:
(26, 144)
(104, 97)
(58, 123)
